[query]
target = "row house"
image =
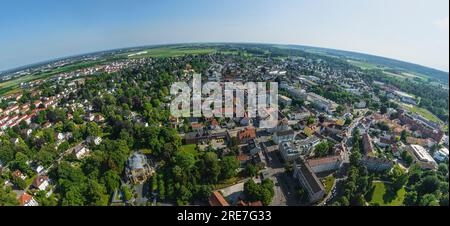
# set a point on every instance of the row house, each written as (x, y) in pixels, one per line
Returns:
(11, 109)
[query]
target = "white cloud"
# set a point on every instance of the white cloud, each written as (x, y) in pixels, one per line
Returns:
(442, 24)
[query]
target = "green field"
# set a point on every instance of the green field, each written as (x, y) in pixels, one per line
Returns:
(189, 148)
(328, 183)
(364, 65)
(13, 84)
(423, 112)
(404, 75)
(383, 196)
(169, 52)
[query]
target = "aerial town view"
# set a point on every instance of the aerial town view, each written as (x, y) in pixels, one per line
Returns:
(82, 126)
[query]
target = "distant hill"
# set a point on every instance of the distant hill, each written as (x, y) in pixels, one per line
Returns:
(382, 61)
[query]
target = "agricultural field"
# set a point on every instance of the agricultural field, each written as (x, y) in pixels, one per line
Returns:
(364, 65)
(168, 52)
(404, 75)
(12, 85)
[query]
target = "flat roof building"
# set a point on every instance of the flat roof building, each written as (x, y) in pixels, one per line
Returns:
(422, 157)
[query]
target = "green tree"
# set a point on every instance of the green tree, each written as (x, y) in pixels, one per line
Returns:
(161, 187)
(407, 158)
(444, 200)
(410, 198)
(20, 183)
(251, 170)
(42, 199)
(111, 180)
(128, 195)
(429, 200)
(73, 197)
(429, 185)
(8, 197)
(355, 156)
(311, 120)
(229, 166)
(154, 183)
(322, 149)
(209, 167)
(263, 192)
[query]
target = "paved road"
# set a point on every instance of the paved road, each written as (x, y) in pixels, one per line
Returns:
(284, 183)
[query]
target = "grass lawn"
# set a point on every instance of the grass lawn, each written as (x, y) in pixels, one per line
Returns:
(382, 195)
(328, 183)
(189, 148)
(228, 182)
(424, 113)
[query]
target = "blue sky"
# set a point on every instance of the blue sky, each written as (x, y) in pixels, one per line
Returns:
(412, 30)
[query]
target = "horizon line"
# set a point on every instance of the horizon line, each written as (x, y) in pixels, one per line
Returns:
(206, 42)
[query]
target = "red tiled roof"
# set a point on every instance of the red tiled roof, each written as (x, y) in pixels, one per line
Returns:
(216, 199)
(324, 160)
(197, 125)
(17, 173)
(25, 198)
(39, 180)
(249, 132)
(242, 157)
(256, 203)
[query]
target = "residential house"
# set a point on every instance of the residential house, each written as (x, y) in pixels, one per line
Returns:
(41, 182)
(96, 140)
(99, 118)
(441, 154)
(19, 174)
(243, 159)
(27, 200)
(14, 140)
(246, 135)
(81, 151)
(39, 169)
(60, 136)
